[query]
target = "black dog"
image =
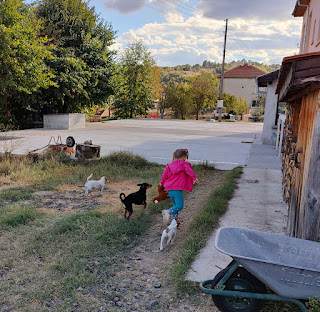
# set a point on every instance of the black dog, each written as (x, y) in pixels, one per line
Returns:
(137, 198)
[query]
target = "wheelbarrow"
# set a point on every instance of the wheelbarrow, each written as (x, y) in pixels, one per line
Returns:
(289, 266)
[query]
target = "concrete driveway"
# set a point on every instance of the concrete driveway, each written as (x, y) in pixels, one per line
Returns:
(224, 144)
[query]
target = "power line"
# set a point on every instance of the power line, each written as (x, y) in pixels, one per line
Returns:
(169, 4)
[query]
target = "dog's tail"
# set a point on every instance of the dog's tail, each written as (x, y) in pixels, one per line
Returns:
(122, 197)
(89, 177)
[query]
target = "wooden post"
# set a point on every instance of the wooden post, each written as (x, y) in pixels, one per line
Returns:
(278, 133)
(310, 202)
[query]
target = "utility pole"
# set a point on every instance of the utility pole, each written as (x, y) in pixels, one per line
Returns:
(220, 105)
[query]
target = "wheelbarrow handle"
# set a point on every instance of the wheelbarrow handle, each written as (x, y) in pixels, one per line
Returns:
(239, 294)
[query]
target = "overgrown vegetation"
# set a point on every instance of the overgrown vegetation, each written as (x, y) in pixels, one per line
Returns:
(48, 256)
(74, 249)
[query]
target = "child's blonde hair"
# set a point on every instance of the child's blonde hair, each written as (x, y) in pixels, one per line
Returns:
(179, 153)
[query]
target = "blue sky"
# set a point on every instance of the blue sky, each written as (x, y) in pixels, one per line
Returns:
(188, 32)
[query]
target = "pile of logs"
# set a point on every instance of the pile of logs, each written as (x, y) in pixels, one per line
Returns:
(288, 150)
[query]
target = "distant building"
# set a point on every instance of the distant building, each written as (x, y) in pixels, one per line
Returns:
(241, 81)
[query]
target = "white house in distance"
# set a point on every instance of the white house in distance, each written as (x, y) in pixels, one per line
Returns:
(241, 81)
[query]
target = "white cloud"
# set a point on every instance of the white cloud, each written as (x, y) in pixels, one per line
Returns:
(124, 6)
(222, 9)
(258, 30)
(193, 40)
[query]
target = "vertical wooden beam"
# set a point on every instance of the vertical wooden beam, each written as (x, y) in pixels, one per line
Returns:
(310, 202)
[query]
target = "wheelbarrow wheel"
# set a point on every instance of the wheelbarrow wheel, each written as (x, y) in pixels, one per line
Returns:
(240, 280)
(70, 141)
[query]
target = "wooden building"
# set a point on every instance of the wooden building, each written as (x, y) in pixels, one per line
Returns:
(299, 87)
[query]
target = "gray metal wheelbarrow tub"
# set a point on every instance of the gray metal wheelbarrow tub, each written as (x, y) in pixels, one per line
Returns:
(289, 266)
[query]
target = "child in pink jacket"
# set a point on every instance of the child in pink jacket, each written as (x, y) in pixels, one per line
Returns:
(176, 178)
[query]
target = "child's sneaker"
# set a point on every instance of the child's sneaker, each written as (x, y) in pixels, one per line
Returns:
(166, 217)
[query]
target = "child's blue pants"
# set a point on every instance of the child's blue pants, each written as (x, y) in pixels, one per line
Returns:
(177, 200)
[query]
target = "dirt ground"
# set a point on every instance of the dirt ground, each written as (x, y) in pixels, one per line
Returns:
(140, 280)
(145, 273)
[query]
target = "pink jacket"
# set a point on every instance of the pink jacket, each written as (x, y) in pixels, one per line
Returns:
(178, 175)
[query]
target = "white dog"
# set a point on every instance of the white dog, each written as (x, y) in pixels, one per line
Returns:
(94, 184)
(169, 233)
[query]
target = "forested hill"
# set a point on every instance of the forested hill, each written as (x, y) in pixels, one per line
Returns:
(216, 68)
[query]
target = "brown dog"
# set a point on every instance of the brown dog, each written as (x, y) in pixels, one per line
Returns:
(162, 194)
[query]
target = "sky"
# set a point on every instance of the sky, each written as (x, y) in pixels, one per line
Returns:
(179, 32)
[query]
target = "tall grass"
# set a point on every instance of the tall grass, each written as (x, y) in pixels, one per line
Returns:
(15, 215)
(53, 169)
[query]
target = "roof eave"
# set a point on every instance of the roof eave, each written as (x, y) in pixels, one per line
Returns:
(300, 9)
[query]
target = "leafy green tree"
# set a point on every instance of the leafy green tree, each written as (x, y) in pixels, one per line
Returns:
(172, 78)
(22, 55)
(204, 91)
(82, 63)
(135, 81)
(178, 98)
(234, 105)
(241, 107)
(229, 102)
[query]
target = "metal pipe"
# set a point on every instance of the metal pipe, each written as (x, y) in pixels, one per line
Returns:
(306, 25)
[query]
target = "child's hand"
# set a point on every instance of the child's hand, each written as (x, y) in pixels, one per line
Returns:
(196, 181)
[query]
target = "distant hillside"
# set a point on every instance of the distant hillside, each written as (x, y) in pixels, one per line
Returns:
(213, 67)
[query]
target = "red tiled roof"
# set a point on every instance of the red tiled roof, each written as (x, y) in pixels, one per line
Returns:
(244, 71)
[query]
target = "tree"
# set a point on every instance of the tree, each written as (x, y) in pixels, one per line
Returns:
(204, 91)
(82, 63)
(22, 55)
(136, 82)
(229, 102)
(234, 105)
(178, 98)
(241, 106)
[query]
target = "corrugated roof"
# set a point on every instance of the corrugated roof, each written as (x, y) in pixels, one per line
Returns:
(244, 71)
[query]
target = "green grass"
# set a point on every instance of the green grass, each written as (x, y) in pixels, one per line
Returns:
(15, 215)
(72, 241)
(55, 169)
(61, 252)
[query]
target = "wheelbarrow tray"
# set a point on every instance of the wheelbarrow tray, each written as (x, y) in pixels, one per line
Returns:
(289, 266)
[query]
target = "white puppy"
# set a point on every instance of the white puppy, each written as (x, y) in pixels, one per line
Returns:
(169, 233)
(94, 184)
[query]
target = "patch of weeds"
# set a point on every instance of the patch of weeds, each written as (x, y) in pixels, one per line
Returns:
(201, 228)
(313, 304)
(80, 248)
(18, 215)
(205, 166)
(16, 193)
(127, 159)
